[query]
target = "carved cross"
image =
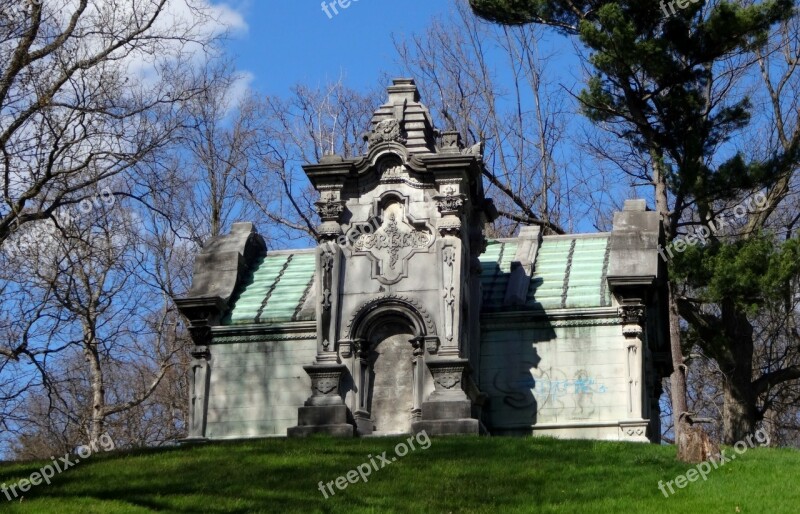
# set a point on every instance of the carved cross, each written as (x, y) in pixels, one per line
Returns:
(393, 243)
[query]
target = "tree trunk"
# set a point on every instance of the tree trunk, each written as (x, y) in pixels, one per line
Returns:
(739, 408)
(678, 380)
(92, 356)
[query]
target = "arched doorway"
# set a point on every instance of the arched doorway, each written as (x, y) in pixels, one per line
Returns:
(389, 336)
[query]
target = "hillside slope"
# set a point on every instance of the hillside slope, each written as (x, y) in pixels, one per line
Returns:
(441, 475)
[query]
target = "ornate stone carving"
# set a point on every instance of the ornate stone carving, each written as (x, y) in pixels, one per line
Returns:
(330, 209)
(394, 239)
(451, 142)
(346, 348)
(632, 316)
(449, 202)
(431, 344)
(449, 284)
(387, 131)
(393, 242)
(389, 298)
(327, 290)
(448, 375)
(392, 170)
(324, 384)
(326, 266)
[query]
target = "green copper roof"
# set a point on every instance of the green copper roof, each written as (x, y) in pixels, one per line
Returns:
(495, 269)
(569, 272)
(275, 290)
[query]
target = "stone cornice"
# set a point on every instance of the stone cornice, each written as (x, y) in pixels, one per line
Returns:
(553, 318)
(253, 333)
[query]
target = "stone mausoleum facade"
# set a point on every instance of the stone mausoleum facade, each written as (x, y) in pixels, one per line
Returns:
(405, 317)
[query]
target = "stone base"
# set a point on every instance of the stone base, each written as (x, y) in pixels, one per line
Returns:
(364, 426)
(443, 410)
(322, 419)
(322, 415)
(192, 440)
(466, 426)
(331, 430)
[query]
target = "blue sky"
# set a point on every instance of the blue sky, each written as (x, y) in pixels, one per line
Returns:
(290, 42)
(293, 41)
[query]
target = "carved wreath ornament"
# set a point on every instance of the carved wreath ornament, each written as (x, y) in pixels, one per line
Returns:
(326, 382)
(449, 377)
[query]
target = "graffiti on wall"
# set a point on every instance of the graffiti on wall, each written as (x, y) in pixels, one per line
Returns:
(552, 389)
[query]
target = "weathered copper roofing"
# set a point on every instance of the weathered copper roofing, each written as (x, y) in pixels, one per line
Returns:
(569, 273)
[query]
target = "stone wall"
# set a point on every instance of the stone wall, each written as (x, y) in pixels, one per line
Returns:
(556, 379)
(256, 387)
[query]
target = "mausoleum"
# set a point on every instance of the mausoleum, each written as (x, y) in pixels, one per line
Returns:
(404, 317)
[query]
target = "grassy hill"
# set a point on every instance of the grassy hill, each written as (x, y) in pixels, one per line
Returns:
(453, 475)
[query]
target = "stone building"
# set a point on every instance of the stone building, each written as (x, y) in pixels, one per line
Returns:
(405, 318)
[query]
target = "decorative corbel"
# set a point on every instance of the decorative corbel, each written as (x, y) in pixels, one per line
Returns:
(632, 316)
(330, 208)
(450, 204)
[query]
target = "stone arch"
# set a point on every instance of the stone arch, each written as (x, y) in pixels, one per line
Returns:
(396, 328)
(399, 306)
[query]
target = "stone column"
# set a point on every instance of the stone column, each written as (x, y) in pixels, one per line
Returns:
(362, 415)
(450, 203)
(198, 406)
(418, 366)
(325, 410)
(202, 314)
(632, 314)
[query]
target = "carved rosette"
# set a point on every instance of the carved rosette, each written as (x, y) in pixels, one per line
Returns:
(632, 317)
(330, 209)
(325, 381)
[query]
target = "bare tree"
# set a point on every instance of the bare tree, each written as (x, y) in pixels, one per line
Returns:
(311, 123)
(87, 90)
(491, 84)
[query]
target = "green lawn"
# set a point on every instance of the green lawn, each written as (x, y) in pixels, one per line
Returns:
(454, 475)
